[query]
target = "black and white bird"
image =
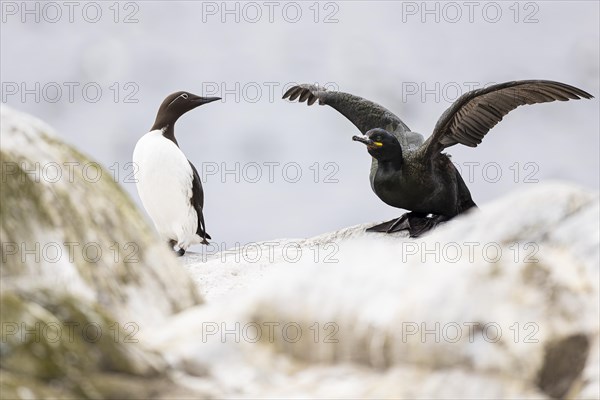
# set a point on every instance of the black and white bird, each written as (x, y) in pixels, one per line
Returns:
(167, 182)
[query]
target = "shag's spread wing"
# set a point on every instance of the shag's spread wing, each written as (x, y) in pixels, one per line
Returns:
(364, 114)
(473, 114)
(197, 201)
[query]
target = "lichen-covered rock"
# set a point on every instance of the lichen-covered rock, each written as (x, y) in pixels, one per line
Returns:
(84, 277)
(55, 344)
(66, 222)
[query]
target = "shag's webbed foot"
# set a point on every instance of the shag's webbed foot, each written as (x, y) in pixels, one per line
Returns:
(421, 225)
(394, 225)
(401, 224)
(415, 223)
(386, 226)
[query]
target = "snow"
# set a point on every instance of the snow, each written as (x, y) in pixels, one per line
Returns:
(489, 318)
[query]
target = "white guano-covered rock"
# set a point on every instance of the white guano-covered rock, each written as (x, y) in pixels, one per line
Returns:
(502, 302)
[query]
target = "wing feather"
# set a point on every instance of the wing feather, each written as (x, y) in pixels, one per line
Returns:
(473, 114)
(364, 114)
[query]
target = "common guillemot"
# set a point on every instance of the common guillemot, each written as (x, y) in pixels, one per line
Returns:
(407, 172)
(167, 182)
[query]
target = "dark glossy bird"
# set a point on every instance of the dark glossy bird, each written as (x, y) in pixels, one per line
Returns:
(412, 174)
(167, 182)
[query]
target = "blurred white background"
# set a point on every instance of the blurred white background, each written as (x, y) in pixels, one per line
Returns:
(394, 53)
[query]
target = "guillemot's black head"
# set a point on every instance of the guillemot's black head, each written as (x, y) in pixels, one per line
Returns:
(175, 105)
(381, 144)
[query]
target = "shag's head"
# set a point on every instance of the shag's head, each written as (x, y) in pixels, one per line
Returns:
(177, 104)
(381, 144)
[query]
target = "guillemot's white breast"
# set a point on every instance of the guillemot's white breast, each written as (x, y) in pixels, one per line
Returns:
(164, 181)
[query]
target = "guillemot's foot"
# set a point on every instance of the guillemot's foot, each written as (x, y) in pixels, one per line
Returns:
(179, 252)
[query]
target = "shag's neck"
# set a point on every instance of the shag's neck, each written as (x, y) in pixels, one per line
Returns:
(394, 164)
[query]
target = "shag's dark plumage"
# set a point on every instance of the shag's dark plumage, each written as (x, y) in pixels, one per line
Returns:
(415, 175)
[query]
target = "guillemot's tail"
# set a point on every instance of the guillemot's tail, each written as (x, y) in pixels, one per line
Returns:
(204, 237)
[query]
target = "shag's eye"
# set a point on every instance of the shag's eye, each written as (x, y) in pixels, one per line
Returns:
(185, 96)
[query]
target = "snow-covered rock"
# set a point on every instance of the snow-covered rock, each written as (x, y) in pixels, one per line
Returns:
(502, 302)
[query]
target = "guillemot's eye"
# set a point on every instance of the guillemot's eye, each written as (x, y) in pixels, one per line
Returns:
(185, 96)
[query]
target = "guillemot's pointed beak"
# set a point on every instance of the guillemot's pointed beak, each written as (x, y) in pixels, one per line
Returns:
(205, 100)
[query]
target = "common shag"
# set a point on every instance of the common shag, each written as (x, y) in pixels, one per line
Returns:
(412, 174)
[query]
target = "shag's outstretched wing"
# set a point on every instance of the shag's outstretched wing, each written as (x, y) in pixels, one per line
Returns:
(364, 114)
(473, 114)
